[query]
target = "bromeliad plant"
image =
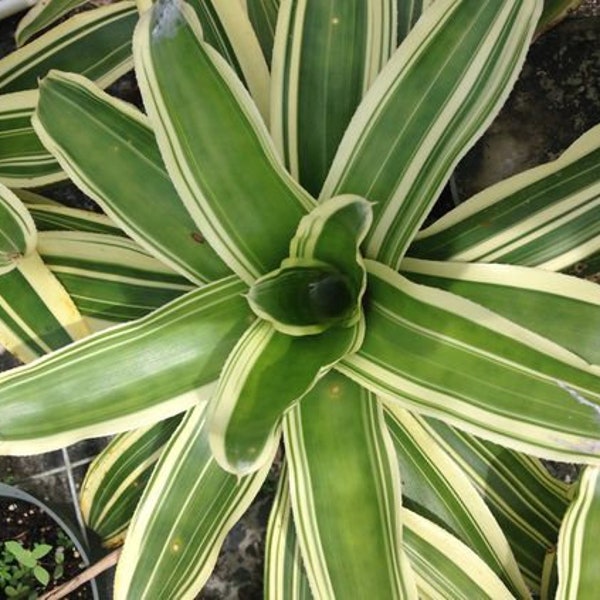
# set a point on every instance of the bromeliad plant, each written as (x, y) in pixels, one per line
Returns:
(322, 316)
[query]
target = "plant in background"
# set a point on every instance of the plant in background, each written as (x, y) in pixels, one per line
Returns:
(22, 572)
(262, 251)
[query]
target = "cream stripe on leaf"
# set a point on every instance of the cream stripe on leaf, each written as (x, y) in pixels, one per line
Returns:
(24, 162)
(109, 150)
(445, 567)
(527, 502)
(321, 75)
(36, 313)
(547, 216)
(434, 486)
(265, 374)
(160, 365)
(109, 277)
(345, 494)
(64, 218)
(525, 296)
(181, 521)
(578, 574)
(95, 43)
(215, 144)
(285, 576)
(237, 42)
(435, 96)
(117, 477)
(445, 356)
(41, 15)
(18, 235)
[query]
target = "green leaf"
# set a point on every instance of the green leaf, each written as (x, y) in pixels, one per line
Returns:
(18, 235)
(96, 43)
(206, 138)
(561, 308)
(36, 313)
(527, 502)
(578, 573)
(43, 14)
(40, 550)
(327, 54)
(160, 365)
(554, 12)
(443, 356)
(445, 567)
(109, 277)
(230, 32)
(409, 12)
(20, 553)
(345, 494)
(117, 477)
(182, 519)
(109, 150)
(41, 575)
(434, 486)
(435, 97)
(547, 216)
(24, 162)
(263, 16)
(264, 375)
(322, 283)
(285, 576)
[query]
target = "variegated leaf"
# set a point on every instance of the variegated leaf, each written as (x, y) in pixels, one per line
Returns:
(159, 365)
(181, 521)
(327, 54)
(117, 477)
(548, 216)
(207, 138)
(445, 356)
(438, 93)
(263, 16)
(578, 574)
(109, 277)
(96, 43)
(109, 150)
(18, 235)
(345, 494)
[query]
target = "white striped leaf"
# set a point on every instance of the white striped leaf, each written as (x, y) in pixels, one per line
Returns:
(327, 54)
(434, 486)
(578, 573)
(18, 234)
(227, 29)
(445, 567)
(409, 12)
(57, 217)
(36, 313)
(109, 150)
(285, 576)
(445, 356)
(265, 374)
(561, 308)
(24, 162)
(527, 502)
(322, 282)
(435, 97)
(181, 521)
(345, 494)
(42, 15)
(117, 477)
(96, 43)
(159, 365)
(263, 16)
(548, 216)
(215, 145)
(109, 277)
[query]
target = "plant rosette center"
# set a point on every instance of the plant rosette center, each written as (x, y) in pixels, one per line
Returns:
(321, 284)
